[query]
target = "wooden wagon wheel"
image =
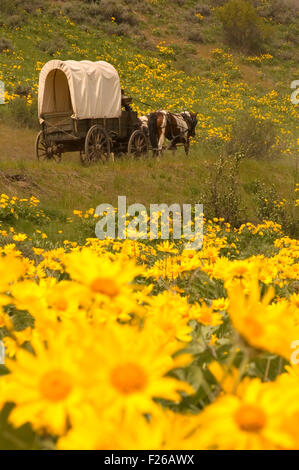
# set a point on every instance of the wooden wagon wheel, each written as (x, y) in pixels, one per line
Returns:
(138, 144)
(97, 145)
(43, 152)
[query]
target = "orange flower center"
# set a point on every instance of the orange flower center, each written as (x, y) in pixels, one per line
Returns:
(60, 304)
(128, 378)
(253, 327)
(104, 285)
(206, 318)
(55, 385)
(250, 418)
(240, 271)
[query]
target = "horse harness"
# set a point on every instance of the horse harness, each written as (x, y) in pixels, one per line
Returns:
(178, 119)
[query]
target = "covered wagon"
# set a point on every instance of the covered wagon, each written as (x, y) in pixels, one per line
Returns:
(80, 109)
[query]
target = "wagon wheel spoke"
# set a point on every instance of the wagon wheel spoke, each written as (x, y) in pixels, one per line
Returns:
(138, 144)
(44, 152)
(41, 149)
(57, 157)
(97, 145)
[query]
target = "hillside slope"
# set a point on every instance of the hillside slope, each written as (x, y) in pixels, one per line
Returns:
(158, 64)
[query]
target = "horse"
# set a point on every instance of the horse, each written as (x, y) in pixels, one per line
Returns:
(143, 124)
(178, 128)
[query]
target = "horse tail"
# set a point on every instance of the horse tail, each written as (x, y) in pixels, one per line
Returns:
(153, 131)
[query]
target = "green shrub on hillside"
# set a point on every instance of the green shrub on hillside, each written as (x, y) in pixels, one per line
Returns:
(242, 26)
(222, 197)
(19, 113)
(195, 35)
(5, 44)
(253, 138)
(270, 206)
(280, 11)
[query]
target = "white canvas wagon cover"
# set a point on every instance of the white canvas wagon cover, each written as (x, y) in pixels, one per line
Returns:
(88, 90)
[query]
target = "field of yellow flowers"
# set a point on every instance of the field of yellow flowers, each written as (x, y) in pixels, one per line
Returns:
(122, 344)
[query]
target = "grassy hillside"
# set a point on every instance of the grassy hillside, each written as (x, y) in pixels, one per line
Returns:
(158, 63)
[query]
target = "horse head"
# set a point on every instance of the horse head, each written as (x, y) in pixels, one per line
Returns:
(191, 120)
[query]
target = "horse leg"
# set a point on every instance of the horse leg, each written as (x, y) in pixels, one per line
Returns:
(187, 147)
(162, 131)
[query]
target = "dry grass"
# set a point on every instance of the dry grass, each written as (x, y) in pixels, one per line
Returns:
(67, 186)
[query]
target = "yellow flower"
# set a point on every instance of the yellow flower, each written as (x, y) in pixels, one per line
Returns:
(168, 317)
(167, 247)
(270, 327)
(133, 370)
(48, 382)
(109, 283)
(102, 276)
(205, 315)
(91, 430)
(11, 269)
(256, 420)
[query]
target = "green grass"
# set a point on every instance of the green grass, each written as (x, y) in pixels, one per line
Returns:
(64, 187)
(182, 76)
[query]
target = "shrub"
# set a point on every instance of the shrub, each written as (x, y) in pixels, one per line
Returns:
(242, 26)
(118, 29)
(12, 7)
(280, 11)
(75, 11)
(222, 190)
(5, 44)
(270, 207)
(204, 10)
(253, 138)
(19, 113)
(15, 20)
(52, 46)
(23, 90)
(195, 35)
(121, 13)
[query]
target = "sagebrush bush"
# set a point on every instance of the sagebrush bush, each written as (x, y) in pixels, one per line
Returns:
(15, 20)
(280, 11)
(222, 190)
(242, 26)
(121, 29)
(10, 7)
(18, 113)
(253, 138)
(5, 44)
(203, 9)
(121, 13)
(269, 206)
(23, 90)
(195, 35)
(53, 45)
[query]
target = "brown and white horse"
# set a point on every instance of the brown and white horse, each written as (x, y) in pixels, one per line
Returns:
(178, 128)
(143, 123)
